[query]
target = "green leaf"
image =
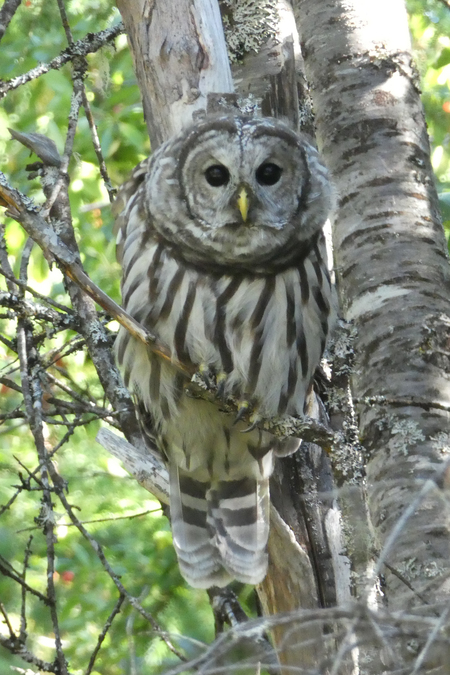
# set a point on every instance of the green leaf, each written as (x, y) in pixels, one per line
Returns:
(444, 203)
(443, 59)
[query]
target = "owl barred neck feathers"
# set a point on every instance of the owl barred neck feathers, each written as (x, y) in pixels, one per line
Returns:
(220, 238)
(274, 264)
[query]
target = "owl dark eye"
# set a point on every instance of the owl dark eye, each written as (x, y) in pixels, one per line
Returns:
(217, 175)
(268, 174)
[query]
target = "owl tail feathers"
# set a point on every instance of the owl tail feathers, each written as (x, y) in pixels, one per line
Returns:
(220, 530)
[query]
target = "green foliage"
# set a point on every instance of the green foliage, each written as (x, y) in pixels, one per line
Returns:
(430, 30)
(138, 548)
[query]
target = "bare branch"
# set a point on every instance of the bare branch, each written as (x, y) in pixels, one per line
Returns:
(115, 578)
(101, 520)
(16, 647)
(146, 467)
(32, 310)
(49, 301)
(22, 210)
(87, 108)
(88, 45)
(7, 621)
(6, 14)
(10, 384)
(16, 577)
(23, 616)
(33, 405)
(102, 635)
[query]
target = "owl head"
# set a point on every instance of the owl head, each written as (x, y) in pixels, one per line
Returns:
(238, 191)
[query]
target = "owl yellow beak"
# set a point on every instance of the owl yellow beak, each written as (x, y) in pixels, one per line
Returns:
(243, 204)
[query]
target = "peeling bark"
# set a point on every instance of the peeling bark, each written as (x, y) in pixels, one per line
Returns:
(179, 55)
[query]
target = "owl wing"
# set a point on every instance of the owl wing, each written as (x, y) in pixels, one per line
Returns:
(129, 197)
(126, 208)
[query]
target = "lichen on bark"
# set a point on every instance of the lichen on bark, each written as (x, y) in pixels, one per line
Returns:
(247, 25)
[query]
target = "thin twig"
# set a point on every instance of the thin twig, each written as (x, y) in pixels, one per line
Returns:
(98, 520)
(80, 67)
(4, 262)
(32, 394)
(87, 109)
(129, 627)
(6, 14)
(6, 382)
(28, 308)
(101, 556)
(403, 402)
(17, 577)
(44, 298)
(102, 635)
(109, 520)
(33, 474)
(83, 406)
(23, 614)
(15, 414)
(88, 45)
(7, 621)
(407, 583)
(98, 149)
(16, 647)
(8, 343)
(431, 638)
(52, 357)
(68, 390)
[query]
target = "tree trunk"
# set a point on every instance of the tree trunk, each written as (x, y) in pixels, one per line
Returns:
(393, 281)
(179, 56)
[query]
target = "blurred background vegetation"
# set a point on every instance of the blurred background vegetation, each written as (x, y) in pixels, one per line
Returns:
(137, 546)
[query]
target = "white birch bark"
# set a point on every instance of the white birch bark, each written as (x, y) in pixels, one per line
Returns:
(393, 280)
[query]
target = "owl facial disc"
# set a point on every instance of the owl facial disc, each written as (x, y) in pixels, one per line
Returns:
(237, 190)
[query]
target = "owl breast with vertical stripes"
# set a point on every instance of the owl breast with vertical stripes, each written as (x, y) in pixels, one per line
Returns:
(220, 236)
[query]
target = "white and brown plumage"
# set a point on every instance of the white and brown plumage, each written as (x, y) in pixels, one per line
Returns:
(221, 243)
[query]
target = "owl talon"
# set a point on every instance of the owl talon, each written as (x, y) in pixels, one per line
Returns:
(221, 381)
(243, 408)
(255, 420)
(205, 373)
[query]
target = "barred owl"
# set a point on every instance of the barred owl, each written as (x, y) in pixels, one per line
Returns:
(221, 243)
